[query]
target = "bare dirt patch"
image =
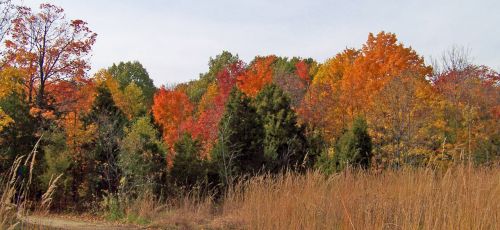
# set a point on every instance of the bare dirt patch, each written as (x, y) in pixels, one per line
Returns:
(52, 222)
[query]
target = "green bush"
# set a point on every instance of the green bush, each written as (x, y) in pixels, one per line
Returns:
(188, 170)
(142, 157)
(354, 147)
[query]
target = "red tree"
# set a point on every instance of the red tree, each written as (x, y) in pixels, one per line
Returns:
(48, 48)
(207, 125)
(302, 70)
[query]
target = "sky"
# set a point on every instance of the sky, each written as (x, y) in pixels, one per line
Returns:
(175, 39)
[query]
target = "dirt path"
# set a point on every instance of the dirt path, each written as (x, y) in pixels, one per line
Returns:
(61, 223)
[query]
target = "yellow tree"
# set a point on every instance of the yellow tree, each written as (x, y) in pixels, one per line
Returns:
(321, 106)
(406, 121)
(208, 99)
(472, 110)
(133, 101)
(10, 82)
(130, 100)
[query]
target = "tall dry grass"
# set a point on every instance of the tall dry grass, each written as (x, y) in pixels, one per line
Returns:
(188, 211)
(15, 190)
(461, 198)
(9, 186)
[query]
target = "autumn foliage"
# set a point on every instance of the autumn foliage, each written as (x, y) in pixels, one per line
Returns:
(171, 109)
(259, 74)
(48, 49)
(380, 106)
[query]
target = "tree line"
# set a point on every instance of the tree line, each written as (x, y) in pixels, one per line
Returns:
(379, 106)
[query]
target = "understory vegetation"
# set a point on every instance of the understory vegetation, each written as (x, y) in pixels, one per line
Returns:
(410, 198)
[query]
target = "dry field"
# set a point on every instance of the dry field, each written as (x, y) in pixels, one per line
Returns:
(460, 198)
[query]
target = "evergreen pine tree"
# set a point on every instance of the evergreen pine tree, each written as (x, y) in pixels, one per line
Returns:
(240, 149)
(285, 144)
(188, 169)
(354, 147)
(108, 121)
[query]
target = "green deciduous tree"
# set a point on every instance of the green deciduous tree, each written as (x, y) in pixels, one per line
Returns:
(142, 157)
(196, 89)
(58, 161)
(133, 72)
(20, 135)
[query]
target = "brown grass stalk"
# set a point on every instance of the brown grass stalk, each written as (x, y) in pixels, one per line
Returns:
(15, 188)
(461, 198)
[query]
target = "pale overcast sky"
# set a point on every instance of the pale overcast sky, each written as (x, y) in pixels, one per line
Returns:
(174, 39)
